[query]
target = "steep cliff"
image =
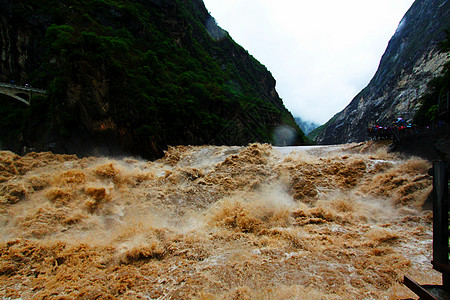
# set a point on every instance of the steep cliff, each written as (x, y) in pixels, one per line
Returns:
(134, 77)
(411, 60)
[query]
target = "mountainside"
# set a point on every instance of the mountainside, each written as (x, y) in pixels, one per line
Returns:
(132, 77)
(411, 60)
(306, 126)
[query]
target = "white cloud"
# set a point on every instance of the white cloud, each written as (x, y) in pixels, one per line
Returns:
(322, 53)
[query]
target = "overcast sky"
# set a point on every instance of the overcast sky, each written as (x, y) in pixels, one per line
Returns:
(321, 53)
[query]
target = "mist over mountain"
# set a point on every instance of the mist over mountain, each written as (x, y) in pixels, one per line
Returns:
(411, 60)
(306, 126)
(132, 77)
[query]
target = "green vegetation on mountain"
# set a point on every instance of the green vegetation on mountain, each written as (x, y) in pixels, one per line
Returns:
(13, 117)
(146, 73)
(428, 113)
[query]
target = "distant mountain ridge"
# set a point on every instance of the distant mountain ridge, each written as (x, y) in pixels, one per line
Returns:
(306, 126)
(410, 61)
(132, 77)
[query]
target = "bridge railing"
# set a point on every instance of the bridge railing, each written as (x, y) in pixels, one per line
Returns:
(22, 87)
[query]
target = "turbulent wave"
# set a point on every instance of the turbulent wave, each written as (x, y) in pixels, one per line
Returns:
(208, 222)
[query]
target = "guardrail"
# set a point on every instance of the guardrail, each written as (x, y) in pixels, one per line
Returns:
(440, 261)
(399, 134)
(444, 103)
(22, 87)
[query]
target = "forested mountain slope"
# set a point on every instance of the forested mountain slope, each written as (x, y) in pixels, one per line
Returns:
(132, 77)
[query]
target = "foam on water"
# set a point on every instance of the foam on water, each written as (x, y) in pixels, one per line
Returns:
(209, 222)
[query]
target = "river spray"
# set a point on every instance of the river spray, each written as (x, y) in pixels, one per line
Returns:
(208, 222)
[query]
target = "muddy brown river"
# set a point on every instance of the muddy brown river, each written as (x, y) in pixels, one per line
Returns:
(255, 222)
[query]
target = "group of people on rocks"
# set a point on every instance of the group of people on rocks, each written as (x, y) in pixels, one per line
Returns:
(378, 132)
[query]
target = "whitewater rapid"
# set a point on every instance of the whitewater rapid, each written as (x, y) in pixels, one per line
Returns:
(255, 222)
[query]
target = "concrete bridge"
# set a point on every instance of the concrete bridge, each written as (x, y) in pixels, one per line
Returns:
(20, 92)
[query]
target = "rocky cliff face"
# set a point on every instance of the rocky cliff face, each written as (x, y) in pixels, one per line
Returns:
(411, 59)
(134, 77)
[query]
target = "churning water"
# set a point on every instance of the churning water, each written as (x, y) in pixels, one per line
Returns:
(256, 222)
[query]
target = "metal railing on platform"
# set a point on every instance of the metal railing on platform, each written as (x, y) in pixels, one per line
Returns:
(440, 234)
(399, 134)
(444, 104)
